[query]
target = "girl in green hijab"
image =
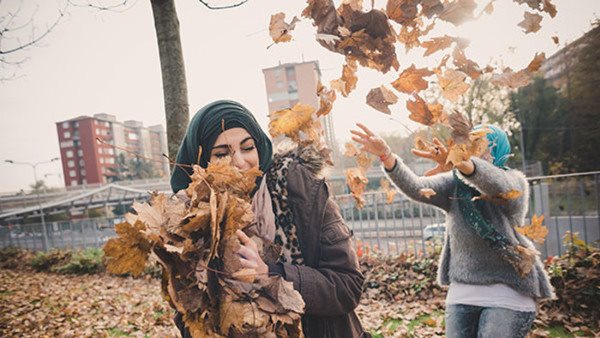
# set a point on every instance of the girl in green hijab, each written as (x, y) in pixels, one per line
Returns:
(292, 208)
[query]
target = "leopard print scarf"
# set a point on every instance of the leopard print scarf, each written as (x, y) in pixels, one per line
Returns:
(286, 234)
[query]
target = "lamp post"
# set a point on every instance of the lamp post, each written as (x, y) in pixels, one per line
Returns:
(37, 193)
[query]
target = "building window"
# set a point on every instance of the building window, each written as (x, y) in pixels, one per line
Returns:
(71, 164)
(290, 72)
(111, 151)
(99, 150)
(65, 125)
(292, 87)
(101, 160)
(80, 153)
(279, 84)
(69, 153)
(83, 173)
(110, 160)
(98, 132)
(132, 136)
(67, 134)
(72, 173)
(81, 163)
(76, 124)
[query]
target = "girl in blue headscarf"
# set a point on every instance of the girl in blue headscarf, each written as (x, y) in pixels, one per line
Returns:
(495, 275)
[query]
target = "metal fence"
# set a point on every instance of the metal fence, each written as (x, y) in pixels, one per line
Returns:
(569, 203)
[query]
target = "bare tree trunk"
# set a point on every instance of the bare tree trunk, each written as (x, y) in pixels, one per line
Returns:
(173, 72)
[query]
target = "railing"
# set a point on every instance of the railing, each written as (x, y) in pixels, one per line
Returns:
(569, 203)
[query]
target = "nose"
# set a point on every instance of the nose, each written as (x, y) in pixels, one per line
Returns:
(238, 161)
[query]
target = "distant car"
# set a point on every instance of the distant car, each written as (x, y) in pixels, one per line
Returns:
(434, 231)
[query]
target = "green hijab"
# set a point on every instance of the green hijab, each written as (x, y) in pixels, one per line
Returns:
(204, 129)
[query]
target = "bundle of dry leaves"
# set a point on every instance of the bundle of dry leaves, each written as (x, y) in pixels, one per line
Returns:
(192, 234)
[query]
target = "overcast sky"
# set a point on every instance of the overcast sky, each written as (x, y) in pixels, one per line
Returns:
(107, 62)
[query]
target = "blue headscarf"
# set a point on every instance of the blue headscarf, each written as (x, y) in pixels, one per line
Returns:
(499, 144)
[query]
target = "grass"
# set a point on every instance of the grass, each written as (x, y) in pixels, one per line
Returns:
(116, 332)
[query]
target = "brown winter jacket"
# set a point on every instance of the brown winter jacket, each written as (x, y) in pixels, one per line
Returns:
(330, 280)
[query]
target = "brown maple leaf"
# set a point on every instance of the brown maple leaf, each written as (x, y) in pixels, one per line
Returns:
(279, 29)
(347, 82)
(555, 40)
(452, 83)
(357, 182)
(425, 113)
(427, 192)
(461, 127)
(402, 11)
(380, 98)
(127, 253)
(429, 8)
(535, 231)
(466, 65)
(536, 63)
(512, 79)
(458, 11)
(390, 192)
(531, 22)
(411, 80)
(326, 99)
(440, 43)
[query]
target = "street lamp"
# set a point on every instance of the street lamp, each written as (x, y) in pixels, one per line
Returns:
(37, 192)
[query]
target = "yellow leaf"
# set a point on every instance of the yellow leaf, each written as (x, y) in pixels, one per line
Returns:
(326, 99)
(390, 192)
(427, 192)
(127, 253)
(535, 231)
(452, 83)
(347, 82)
(290, 122)
(357, 182)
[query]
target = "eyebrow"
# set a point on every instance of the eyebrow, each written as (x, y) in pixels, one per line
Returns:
(226, 146)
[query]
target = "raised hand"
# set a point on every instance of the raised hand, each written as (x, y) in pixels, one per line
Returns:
(374, 144)
(436, 152)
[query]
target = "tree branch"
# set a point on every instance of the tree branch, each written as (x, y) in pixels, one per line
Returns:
(222, 7)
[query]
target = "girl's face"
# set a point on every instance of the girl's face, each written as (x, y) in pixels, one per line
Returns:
(237, 143)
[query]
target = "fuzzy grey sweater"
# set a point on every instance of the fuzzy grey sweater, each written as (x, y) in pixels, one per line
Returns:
(466, 257)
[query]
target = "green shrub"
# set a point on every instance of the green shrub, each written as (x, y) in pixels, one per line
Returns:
(81, 262)
(44, 261)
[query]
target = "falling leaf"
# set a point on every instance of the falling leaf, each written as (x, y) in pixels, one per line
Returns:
(536, 63)
(411, 80)
(556, 40)
(512, 79)
(440, 43)
(326, 99)
(531, 22)
(489, 8)
(347, 82)
(458, 11)
(402, 11)
(549, 8)
(431, 7)
(453, 85)
(357, 182)
(461, 127)
(465, 65)
(290, 122)
(501, 198)
(535, 231)
(279, 29)
(380, 98)
(425, 113)
(389, 191)
(427, 192)
(351, 150)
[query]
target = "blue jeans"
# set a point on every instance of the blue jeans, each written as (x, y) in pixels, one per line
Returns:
(465, 321)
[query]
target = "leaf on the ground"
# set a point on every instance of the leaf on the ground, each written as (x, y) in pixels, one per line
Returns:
(347, 82)
(326, 99)
(458, 11)
(452, 83)
(425, 113)
(279, 29)
(531, 22)
(127, 253)
(427, 192)
(536, 63)
(535, 231)
(390, 191)
(411, 80)
(380, 98)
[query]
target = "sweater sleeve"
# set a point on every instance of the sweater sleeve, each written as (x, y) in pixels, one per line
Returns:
(411, 184)
(492, 181)
(333, 287)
